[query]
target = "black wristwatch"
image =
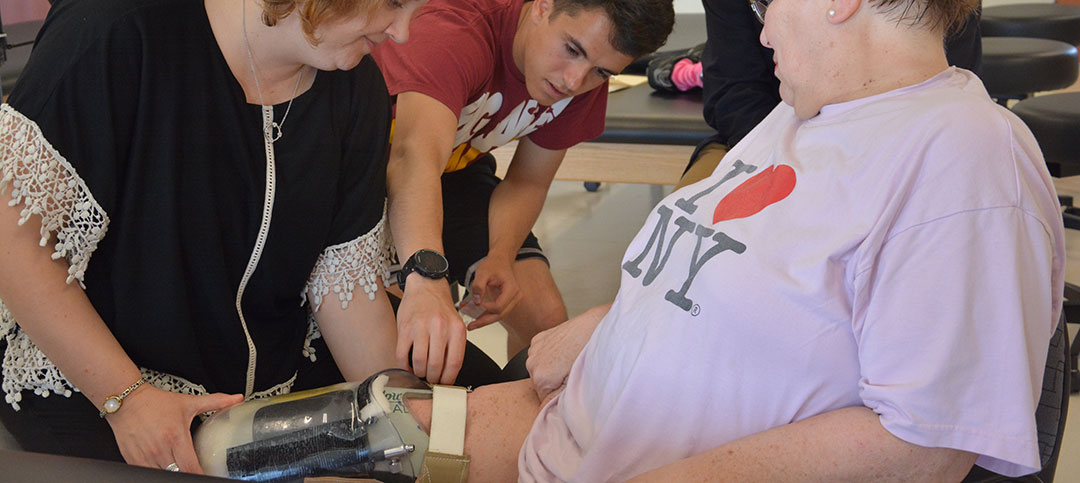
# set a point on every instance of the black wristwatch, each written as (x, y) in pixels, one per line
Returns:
(428, 263)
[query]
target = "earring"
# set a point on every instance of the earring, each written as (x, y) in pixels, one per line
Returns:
(831, 13)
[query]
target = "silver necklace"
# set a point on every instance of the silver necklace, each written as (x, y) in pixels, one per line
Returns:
(276, 132)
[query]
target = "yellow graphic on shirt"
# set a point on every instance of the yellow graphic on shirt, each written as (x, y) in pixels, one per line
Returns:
(462, 156)
(474, 137)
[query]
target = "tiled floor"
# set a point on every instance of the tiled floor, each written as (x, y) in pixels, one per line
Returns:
(585, 234)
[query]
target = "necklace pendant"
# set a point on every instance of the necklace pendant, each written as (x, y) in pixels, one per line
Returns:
(275, 132)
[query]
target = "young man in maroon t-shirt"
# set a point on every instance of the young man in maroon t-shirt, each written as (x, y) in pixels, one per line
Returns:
(474, 75)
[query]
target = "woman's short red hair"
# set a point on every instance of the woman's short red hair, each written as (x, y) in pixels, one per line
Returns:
(314, 13)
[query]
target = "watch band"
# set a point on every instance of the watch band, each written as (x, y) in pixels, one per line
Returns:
(413, 264)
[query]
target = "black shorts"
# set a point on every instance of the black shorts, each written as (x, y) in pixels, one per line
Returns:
(466, 196)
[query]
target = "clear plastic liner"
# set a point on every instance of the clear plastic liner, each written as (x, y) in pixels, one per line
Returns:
(346, 430)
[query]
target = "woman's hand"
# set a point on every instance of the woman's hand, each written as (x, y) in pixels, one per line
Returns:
(553, 351)
(495, 289)
(153, 427)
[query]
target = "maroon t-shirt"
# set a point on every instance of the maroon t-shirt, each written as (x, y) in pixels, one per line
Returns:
(460, 52)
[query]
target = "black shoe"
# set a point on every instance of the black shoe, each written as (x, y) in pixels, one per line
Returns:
(658, 71)
(694, 53)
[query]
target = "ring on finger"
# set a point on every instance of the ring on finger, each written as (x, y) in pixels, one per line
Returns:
(172, 467)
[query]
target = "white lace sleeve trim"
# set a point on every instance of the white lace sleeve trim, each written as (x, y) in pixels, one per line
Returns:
(313, 333)
(25, 367)
(341, 267)
(177, 384)
(42, 180)
(46, 185)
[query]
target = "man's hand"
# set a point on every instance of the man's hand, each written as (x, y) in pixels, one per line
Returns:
(153, 427)
(432, 329)
(553, 351)
(493, 289)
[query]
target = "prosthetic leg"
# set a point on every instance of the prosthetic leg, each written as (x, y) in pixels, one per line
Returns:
(351, 430)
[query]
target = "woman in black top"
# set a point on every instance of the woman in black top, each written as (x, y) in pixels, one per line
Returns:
(208, 178)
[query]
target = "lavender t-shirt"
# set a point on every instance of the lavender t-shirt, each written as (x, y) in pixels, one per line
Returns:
(902, 252)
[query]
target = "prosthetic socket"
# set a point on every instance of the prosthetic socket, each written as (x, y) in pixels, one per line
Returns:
(358, 430)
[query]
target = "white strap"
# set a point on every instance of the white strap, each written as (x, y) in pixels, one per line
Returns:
(447, 420)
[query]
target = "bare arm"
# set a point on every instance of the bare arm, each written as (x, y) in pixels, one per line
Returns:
(428, 323)
(515, 205)
(151, 427)
(844, 445)
(517, 201)
(424, 131)
(361, 336)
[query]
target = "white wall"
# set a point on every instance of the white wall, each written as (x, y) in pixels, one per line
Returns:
(694, 6)
(688, 6)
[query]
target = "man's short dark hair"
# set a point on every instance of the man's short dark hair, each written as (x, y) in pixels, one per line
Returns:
(639, 27)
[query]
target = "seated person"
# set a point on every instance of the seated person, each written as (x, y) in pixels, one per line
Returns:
(169, 208)
(476, 75)
(829, 303)
(736, 72)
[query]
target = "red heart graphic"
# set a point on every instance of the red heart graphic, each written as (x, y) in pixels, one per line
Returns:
(765, 188)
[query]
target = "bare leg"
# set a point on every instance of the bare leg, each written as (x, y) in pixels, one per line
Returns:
(541, 307)
(497, 420)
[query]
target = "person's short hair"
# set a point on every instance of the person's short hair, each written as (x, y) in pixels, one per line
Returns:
(639, 27)
(314, 12)
(943, 15)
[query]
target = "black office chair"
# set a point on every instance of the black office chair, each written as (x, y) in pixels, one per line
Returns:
(1029, 48)
(1041, 20)
(1054, 119)
(1017, 67)
(1049, 416)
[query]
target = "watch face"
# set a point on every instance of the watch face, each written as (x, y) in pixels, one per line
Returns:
(431, 262)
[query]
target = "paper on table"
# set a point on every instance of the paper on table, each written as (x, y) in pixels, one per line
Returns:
(622, 81)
